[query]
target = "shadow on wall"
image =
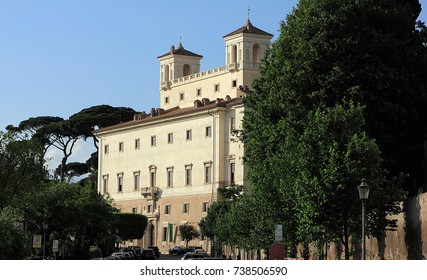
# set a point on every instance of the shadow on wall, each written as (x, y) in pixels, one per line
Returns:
(413, 239)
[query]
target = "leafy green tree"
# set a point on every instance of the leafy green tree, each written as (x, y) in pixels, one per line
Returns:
(72, 170)
(306, 146)
(371, 52)
(131, 226)
(77, 216)
(28, 129)
(188, 233)
(14, 241)
(21, 168)
(334, 154)
(96, 117)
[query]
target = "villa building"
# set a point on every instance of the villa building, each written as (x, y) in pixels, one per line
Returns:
(167, 164)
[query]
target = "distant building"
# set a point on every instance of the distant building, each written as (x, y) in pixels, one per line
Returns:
(168, 164)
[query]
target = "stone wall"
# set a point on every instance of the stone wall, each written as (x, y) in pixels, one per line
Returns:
(408, 242)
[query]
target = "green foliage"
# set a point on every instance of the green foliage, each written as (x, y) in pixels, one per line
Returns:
(341, 95)
(213, 224)
(73, 169)
(21, 168)
(188, 232)
(370, 52)
(96, 117)
(95, 252)
(14, 242)
(131, 226)
(77, 216)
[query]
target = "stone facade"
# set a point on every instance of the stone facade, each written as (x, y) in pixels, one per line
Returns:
(168, 164)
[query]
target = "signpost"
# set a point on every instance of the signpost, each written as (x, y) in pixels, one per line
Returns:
(277, 250)
(37, 241)
(278, 233)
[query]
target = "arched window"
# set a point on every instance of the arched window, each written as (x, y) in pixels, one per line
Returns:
(166, 75)
(186, 70)
(255, 55)
(234, 54)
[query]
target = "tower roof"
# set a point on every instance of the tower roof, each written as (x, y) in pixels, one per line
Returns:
(180, 51)
(249, 28)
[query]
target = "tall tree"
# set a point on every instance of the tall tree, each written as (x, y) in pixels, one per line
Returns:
(371, 52)
(188, 232)
(329, 54)
(96, 117)
(29, 129)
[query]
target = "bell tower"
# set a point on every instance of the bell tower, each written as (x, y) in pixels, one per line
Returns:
(246, 47)
(177, 63)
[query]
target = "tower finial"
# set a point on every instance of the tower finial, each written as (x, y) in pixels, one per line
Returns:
(249, 10)
(180, 39)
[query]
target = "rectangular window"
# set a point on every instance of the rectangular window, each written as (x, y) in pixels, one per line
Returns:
(149, 208)
(166, 100)
(153, 141)
(137, 144)
(121, 146)
(188, 135)
(205, 207)
(188, 174)
(164, 233)
(134, 210)
(105, 183)
(234, 83)
(169, 174)
(232, 125)
(136, 180)
(106, 149)
(120, 182)
(181, 96)
(170, 138)
(208, 131)
(216, 88)
(152, 177)
(167, 209)
(232, 170)
(208, 172)
(199, 92)
(186, 208)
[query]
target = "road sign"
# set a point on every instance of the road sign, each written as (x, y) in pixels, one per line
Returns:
(278, 233)
(55, 245)
(37, 241)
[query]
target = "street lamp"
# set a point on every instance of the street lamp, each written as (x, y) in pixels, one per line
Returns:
(44, 239)
(363, 195)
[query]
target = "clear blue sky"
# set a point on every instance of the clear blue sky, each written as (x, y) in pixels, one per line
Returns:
(58, 57)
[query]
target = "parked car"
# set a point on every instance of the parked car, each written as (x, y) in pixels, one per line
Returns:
(193, 256)
(131, 252)
(156, 250)
(121, 255)
(201, 251)
(193, 248)
(137, 249)
(177, 250)
(148, 254)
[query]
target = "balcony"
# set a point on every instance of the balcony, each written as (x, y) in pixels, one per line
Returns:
(149, 192)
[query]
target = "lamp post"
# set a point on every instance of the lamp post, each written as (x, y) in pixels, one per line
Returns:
(363, 195)
(44, 239)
